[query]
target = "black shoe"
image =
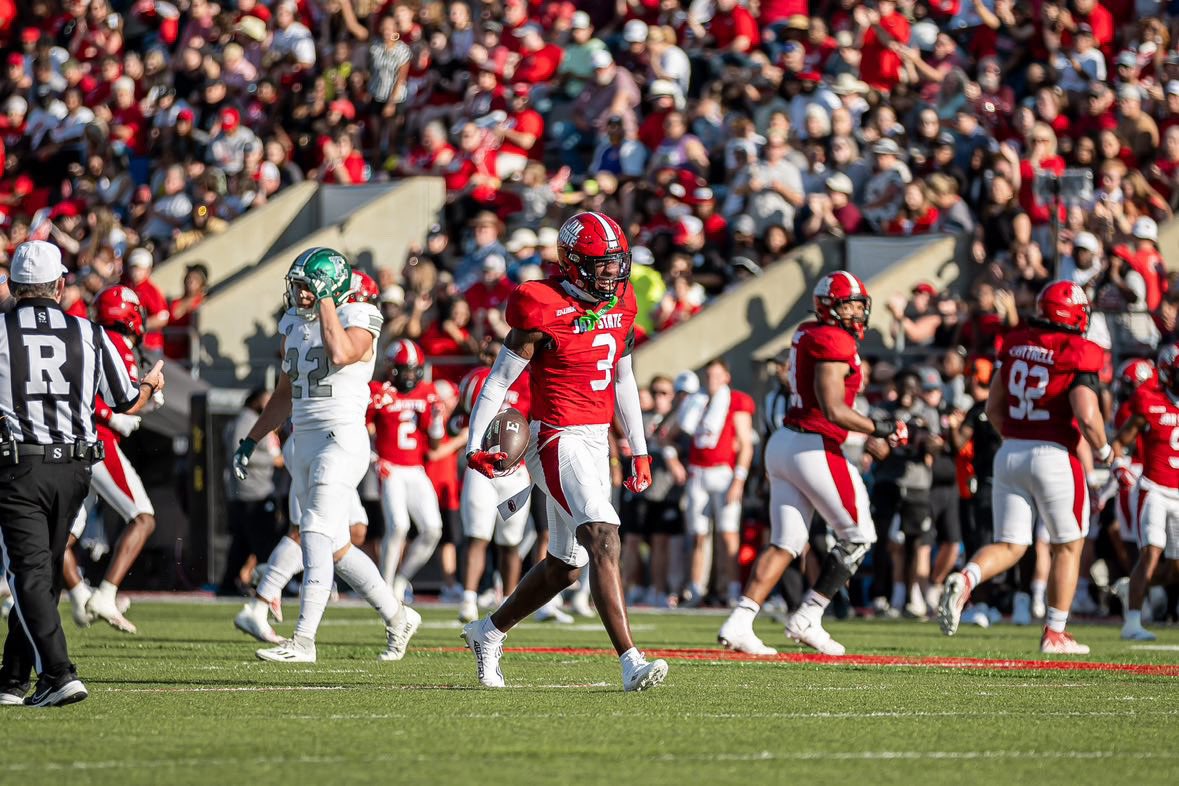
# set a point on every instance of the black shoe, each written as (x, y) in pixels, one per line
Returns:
(57, 693)
(13, 694)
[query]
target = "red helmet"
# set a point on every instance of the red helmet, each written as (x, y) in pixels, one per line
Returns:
(1135, 373)
(835, 289)
(407, 365)
(470, 387)
(586, 241)
(1168, 367)
(1064, 305)
(364, 288)
(118, 308)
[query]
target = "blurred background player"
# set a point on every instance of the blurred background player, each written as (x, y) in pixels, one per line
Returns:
(405, 420)
(1043, 399)
(809, 473)
(482, 496)
(1154, 501)
(577, 331)
(328, 355)
(720, 423)
(115, 481)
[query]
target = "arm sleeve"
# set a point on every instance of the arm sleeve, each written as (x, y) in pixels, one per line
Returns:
(508, 367)
(114, 381)
(626, 392)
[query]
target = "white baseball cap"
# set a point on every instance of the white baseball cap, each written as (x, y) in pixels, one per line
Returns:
(36, 262)
(581, 20)
(1146, 229)
(686, 382)
(495, 263)
(635, 31)
(1087, 241)
(140, 257)
(601, 59)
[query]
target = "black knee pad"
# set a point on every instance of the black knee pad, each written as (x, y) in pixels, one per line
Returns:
(841, 564)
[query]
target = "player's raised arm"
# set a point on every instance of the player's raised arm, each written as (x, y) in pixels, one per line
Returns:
(344, 346)
(630, 412)
(1127, 434)
(513, 358)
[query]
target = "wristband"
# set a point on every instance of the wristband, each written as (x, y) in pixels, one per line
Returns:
(247, 446)
(1105, 452)
(884, 428)
(741, 473)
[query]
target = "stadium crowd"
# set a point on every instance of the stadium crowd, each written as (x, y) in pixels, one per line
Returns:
(721, 134)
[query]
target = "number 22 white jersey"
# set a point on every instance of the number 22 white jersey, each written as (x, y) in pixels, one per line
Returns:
(322, 395)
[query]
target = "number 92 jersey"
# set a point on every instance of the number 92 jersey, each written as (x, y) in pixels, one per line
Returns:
(573, 371)
(1039, 368)
(324, 396)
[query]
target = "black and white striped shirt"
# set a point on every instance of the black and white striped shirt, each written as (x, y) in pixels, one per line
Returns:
(51, 366)
(774, 408)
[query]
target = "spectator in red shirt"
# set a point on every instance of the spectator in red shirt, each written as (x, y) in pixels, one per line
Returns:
(520, 135)
(448, 341)
(182, 313)
(155, 307)
(878, 30)
(342, 162)
(127, 123)
(1145, 259)
(538, 61)
(1042, 156)
(488, 296)
(917, 215)
(733, 28)
(1098, 17)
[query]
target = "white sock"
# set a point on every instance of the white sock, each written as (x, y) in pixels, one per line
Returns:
(491, 632)
(1057, 619)
(79, 594)
(358, 570)
(470, 596)
(317, 583)
(391, 547)
(745, 613)
(107, 589)
(1039, 590)
(419, 553)
(813, 602)
(1133, 619)
(973, 574)
(898, 595)
(285, 561)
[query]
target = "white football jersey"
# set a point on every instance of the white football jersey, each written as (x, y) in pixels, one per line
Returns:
(322, 395)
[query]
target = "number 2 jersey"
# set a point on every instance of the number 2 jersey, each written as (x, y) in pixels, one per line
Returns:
(323, 395)
(815, 343)
(1159, 437)
(1038, 368)
(573, 370)
(401, 422)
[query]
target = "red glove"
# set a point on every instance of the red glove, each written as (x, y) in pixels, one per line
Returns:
(640, 476)
(484, 463)
(901, 435)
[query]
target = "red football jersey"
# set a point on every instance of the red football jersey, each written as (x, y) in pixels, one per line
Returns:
(102, 410)
(402, 422)
(813, 343)
(573, 371)
(1038, 367)
(1160, 454)
(724, 453)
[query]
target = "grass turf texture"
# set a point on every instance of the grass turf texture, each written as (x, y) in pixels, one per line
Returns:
(186, 702)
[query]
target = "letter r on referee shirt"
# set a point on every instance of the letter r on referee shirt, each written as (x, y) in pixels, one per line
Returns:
(47, 354)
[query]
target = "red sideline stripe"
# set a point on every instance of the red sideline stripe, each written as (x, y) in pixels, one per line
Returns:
(1079, 490)
(842, 477)
(550, 464)
(982, 664)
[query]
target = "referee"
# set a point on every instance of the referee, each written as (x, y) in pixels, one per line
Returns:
(51, 366)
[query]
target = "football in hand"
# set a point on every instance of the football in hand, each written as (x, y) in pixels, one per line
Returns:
(508, 433)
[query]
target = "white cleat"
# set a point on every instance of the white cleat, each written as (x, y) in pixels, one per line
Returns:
(552, 611)
(289, 651)
(810, 632)
(743, 641)
(1137, 633)
(259, 627)
(405, 624)
(949, 610)
(468, 611)
(580, 605)
(102, 606)
(487, 654)
(1053, 643)
(1021, 609)
(643, 675)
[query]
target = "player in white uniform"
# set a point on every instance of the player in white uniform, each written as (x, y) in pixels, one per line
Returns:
(328, 351)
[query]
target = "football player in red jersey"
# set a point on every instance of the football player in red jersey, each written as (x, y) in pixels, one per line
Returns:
(481, 497)
(576, 330)
(1154, 501)
(1043, 399)
(808, 472)
(1132, 376)
(720, 423)
(118, 311)
(405, 420)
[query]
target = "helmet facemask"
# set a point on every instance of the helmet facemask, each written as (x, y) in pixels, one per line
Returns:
(405, 378)
(598, 286)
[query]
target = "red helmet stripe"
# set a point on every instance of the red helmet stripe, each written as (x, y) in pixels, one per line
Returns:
(611, 235)
(852, 282)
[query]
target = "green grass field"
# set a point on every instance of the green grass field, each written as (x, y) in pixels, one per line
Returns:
(186, 702)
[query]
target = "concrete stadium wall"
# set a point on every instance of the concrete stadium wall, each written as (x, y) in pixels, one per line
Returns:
(1169, 244)
(238, 342)
(250, 238)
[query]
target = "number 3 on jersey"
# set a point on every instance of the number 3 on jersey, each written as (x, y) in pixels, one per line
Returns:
(607, 363)
(1027, 385)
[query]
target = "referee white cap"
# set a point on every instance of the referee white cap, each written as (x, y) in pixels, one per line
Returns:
(36, 262)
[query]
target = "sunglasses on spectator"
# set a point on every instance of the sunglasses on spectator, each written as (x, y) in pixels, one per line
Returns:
(662, 392)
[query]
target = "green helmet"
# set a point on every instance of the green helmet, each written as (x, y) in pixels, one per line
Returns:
(313, 267)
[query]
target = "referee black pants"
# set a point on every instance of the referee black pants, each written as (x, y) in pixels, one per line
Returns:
(38, 502)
